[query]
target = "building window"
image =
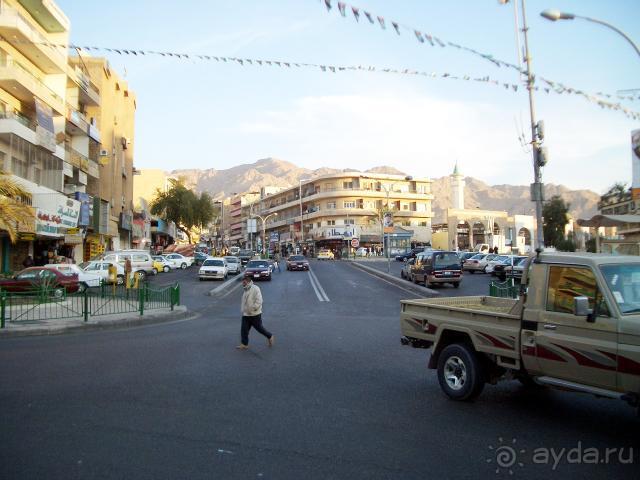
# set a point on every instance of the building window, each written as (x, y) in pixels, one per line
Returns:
(405, 206)
(422, 224)
(350, 204)
(349, 221)
(319, 224)
(331, 205)
(331, 222)
(347, 185)
(406, 223)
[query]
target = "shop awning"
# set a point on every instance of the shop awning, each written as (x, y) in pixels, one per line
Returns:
(609, 221)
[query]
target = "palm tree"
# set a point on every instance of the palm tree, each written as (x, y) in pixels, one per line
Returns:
(12, 210)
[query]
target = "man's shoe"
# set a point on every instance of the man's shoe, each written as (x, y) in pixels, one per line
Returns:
(270, 340)
(242, 347)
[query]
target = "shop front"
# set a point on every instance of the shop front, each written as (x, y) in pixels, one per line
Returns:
(57, 237)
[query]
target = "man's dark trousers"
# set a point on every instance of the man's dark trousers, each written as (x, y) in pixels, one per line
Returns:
(255, 322)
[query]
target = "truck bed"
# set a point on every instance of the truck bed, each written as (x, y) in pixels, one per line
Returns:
(493, 324)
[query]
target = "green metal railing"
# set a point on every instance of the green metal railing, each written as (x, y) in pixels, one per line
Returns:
(56, 304)
(506, 289)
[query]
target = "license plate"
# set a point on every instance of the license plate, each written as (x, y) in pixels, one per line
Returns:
(447, 274)
(256, 275)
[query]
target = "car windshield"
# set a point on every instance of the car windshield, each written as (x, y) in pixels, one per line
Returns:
(500, 258)
(84, 265)
(30, 275)
(478, 256)
(296, 258)
(624, 283)
(231, 259)
(213, 263)
(257, 264)
(446, 260)
(245, 253)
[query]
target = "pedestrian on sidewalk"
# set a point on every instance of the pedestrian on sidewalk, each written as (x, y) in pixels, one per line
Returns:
(251, 308)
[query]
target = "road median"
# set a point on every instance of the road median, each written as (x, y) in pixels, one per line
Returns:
(400, 283)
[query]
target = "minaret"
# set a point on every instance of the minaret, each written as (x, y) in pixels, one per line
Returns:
(457, 189)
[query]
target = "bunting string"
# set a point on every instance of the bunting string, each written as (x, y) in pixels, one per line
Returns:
(436, 41)
(551, 87)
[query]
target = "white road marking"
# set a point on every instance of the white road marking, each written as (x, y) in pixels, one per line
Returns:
(232, 289)
(224, 285)
(313, 284)
(324, 294)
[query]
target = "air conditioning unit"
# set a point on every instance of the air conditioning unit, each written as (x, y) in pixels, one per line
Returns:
(104, 153)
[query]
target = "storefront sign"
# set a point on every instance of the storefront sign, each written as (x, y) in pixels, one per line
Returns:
(73, 239)
(55, 213)
(126, 218)
(86, 204)
(274, 237)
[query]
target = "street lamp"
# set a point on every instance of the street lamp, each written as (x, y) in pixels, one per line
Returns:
(555, 15)
(221, 202)
(301, 217)
(388, 189)
(537, 136)
(264, 220)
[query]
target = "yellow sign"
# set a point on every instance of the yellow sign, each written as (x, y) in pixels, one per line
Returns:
(73, 231)
(26, 237)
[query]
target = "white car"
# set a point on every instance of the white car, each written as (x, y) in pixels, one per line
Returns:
(477, 263)
(88, 278)
(233, 264)
(495, 261)
(213, 267)
(179, 261)
(361, 252)
(101, 269)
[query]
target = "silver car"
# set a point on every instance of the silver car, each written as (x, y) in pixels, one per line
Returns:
(233, 264)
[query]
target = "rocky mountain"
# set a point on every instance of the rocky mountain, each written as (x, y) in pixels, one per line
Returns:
(274, 172)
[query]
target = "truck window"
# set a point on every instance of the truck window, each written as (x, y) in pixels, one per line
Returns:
(565, 283)
(624, 283)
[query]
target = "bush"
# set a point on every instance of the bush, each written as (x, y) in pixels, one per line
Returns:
(591, 245)
(566, 246)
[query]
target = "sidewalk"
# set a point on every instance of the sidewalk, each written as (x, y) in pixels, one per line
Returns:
(98, 322)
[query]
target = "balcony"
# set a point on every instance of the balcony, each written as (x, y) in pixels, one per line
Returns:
(89, 93)
(77, 159)
(22, 84)
(77, 123)
(47, 14)
(20, 33)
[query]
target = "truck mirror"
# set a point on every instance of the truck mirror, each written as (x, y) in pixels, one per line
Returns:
(581, 308)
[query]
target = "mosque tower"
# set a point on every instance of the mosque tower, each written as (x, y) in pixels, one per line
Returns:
(457, 189)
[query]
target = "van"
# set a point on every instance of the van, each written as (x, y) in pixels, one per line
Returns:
(141, 261)
(436, 267)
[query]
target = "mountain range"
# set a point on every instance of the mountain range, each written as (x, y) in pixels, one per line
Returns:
(279, 173)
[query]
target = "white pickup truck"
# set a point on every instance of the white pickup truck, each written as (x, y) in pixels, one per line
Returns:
(576, 326)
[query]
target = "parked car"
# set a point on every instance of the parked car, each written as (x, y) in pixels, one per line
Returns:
(101, 268)
(233, 264)
(516, 270)
(297, 262)
(405, 272)
(258, 270)
(325, 254)
(161, 263)
(475, 263)
(501, 269)
(141, 261)
(178, 260)
(436, 267)
(36, 277)
(410, 254)
(214, 268)
(90, 279)
(464, 256)
(495, 261)
(361, 252)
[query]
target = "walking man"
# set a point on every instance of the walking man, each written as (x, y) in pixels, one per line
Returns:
(252, 314)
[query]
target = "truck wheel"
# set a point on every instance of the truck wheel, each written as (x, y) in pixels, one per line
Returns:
(460, 373)
(120, 280)
(456, 284)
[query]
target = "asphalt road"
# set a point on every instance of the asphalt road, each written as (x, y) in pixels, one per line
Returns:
(336, 397)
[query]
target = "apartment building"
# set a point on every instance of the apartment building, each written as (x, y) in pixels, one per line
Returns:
(326, 211)
(115, 114)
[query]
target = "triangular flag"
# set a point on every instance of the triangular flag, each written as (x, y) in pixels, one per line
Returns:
(328, 4)
(381, 22)
(342, 7)
(419, 36)
(333, 69)
(356, 13)
(396, 26)
(369, 17)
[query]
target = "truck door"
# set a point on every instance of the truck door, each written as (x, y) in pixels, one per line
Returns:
(570, 347)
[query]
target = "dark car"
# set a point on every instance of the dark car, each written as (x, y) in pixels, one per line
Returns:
(199, 258)
(437, 267)
(406, 268)
(500, 269)
(258, 270)
(245, 256)
(464, 256)
(410, 254)
(33, 278)
(297, 262)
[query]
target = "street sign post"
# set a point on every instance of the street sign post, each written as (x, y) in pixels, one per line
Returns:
(355, 243)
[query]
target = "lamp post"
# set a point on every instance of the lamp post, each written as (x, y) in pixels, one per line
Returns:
(555, 15)
(388, 189)
(264, 220)
(301, 217)
(221, 202)
(537, 136)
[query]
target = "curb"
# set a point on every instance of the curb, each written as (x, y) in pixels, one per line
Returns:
(123, 322)
(225, 285)
(422, 291)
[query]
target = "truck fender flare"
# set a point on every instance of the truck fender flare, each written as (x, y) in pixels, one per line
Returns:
(446, 336)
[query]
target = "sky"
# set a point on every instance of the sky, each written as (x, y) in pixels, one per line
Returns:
(207, 114)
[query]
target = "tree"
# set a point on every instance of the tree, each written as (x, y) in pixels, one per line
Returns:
(12, 208)
(182, 206)
(619, 189)
(555, 214)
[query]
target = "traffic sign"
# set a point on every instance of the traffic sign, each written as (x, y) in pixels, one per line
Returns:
(355, 243)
